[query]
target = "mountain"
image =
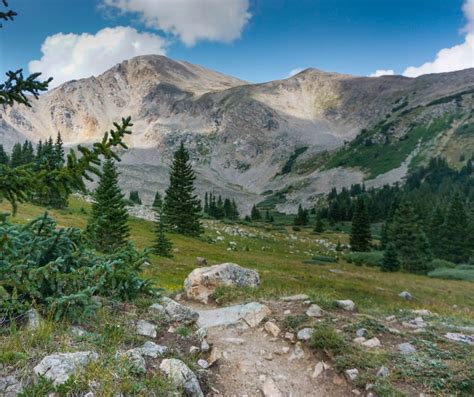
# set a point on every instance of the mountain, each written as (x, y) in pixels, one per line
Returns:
(284, 141)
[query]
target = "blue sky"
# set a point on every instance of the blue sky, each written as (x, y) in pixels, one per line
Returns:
(256, 40)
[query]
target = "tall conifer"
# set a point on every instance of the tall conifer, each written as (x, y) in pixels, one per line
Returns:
(360, 233)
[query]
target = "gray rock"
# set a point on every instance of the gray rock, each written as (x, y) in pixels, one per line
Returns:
(145, 328)
(383, 372)
(371, 343)
(203, 363)
(10, 386)
(405, 295)
(135, 360)
(202, 282)
(305, 333)
(194, 350)
(200, 261)
(59, 367)
(361, 332)
(151, 349)
(179, 373)
(178, 313)
(298, 352)
(406, 348)
(33, 319)
(205, 346)
(251, 313)
(157, 310)
(351, 374)
(201, 333)
(314, 311)
(346, 305)
(78, 331)
(460, 338)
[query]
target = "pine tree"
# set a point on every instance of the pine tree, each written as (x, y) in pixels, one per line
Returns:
(4, 159)
(157, 201)
(409, 239)
(16, 158)
(162, 245)
(206, 204)
(454, 244)
(58, 151)
(107, 228)
(219, 208)
(390, 262)
(255, 214)
(182, 208)
(360, 233)
(235, 211)
(227, 209)
(267, 216)
(134, 197)
(436, 231)
(319, 225)
(302, 216)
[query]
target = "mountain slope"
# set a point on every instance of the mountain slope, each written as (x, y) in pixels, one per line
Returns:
(296, 135)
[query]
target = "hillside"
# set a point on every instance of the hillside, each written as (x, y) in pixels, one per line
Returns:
(282, 258)
(312, 131)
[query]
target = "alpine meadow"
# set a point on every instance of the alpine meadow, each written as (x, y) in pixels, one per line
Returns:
(170, 230)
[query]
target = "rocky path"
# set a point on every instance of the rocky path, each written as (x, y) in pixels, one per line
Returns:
(253, 357)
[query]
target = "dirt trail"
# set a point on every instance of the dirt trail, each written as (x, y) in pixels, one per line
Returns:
(253, 362)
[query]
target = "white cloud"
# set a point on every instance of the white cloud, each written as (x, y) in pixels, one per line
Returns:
(295, 71)
(190, 20)
(382, 72)
(459, 57)
(73, 56)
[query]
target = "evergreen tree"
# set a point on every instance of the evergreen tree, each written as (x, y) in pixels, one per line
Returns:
(234, 211)
(134, 197)
(360, 233)
(255, 214)
(436, 232)
(162, 245)
(206, 204)
(302, 217)
(227, 209)
(454, 244)
(390, 262)
(182, 208)
(107, 228)
(267, 216)
(219, 208)
(157, 201)
(319, 225)
(4, 159)
(16, 158)
(410, 241)
(58, 151)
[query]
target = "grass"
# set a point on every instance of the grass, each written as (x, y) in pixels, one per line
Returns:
(465, 273)
(278, 253)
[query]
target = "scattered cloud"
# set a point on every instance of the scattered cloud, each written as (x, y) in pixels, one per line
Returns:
(73, 56)
(190, 20)
(295, 71)
(459, 57)
(382, 72)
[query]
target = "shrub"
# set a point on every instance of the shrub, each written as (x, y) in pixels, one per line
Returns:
(373, 258)
(325, 337)
(51, 268)
(441, 263)
(462, 272)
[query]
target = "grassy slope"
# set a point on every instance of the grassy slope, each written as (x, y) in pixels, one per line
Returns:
(279, 261)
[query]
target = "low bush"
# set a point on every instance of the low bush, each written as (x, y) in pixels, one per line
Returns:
(325, 337)
(441, 263)
(51, 269)
(462, 272)
(373, 258)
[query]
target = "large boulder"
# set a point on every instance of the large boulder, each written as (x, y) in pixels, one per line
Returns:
(202, 282)
(59, 367)
(248, 315)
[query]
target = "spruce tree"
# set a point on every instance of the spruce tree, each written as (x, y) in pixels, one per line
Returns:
(360, 233)
(436, 231)
(255, 214)
(4, 159)
(16, 158)
(454, 244)
(58, 151)
(409, 239)
(162, 245)
(235, 210)
(390, 262)
(302, 216)
(206, 204)
(157, 201)
(107, 228)
(134, 197)
(319, 225)
(182, 207)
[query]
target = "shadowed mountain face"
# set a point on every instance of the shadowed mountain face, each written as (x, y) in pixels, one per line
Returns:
(296, 136)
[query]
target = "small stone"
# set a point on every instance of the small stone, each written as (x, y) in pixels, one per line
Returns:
(318, 370)
(10, 386)
(272, 328)
(305, 333)
(178, 313)
(314, 311)
(346, 305)
(295, 298)
(135, 359)
(351, 374)
(460, 338)
(157, 310)
(307, 302)
(33, 319)
(383, 372)
(390, 318)
(151, 349)
(359, 340)
(234, 341)
(298, 352)
(201, 333)
(194, 350)
(269, 388)
(180, 374)
(406, 348)
(215, 355)
(422, 312)
(287, 311)
(405, 295)
(205, 346)
(78, 331)
(145, 328)
(371, 343)
(203, 363)
(290, 336)
(362, 332)
(285, 349)
(337, 380)
(200, 261)
(355, 392)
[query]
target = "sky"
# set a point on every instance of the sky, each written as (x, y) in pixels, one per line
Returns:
(255, 40)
